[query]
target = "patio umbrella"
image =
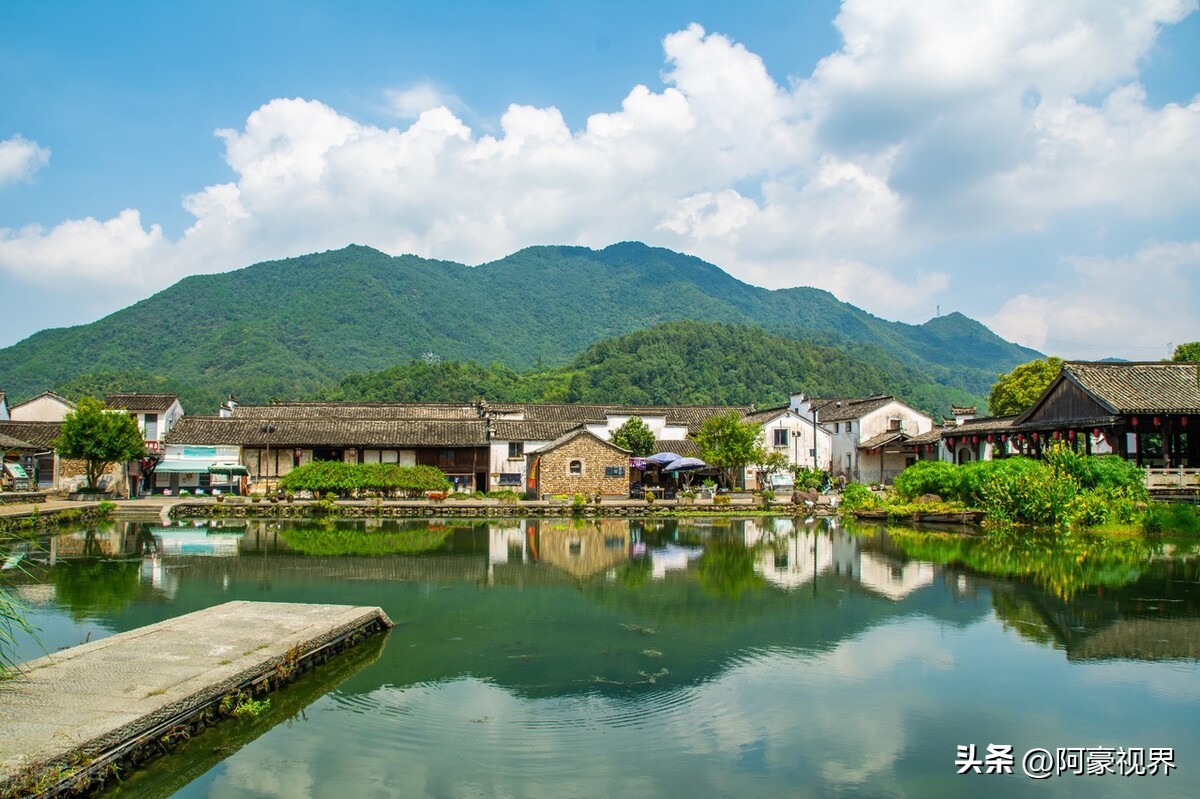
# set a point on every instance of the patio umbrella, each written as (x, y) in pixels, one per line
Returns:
(664, 457)
(684, 464)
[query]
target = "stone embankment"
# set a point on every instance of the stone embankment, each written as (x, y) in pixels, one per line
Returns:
(482, 509)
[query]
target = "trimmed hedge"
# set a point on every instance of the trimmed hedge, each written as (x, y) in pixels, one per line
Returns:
(345, 479)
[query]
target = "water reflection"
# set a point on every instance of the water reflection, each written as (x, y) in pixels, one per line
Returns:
(702, 656)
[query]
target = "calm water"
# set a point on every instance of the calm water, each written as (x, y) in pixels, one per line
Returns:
(698, 658)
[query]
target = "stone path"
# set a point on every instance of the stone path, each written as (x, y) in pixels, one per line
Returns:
(86, 706)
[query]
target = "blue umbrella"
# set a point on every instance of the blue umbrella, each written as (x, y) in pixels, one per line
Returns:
(684, 464)
(664, 457)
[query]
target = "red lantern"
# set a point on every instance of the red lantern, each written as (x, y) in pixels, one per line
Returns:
(1134, 421)
(1157, 421)
(1035, 436)
(1096, 432)
(974, 439)
(1183, 421)
(1004, 437)
(1057, 435)
(990, 438)
(1071, 434)
(950, 441)
(1020, 436)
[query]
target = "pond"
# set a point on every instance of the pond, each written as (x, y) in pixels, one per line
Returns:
(702, 657)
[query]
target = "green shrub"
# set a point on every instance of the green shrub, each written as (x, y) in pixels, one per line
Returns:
(857, 497)
(930, 477)
(721, 499)
(347, 478)
(1171, 517)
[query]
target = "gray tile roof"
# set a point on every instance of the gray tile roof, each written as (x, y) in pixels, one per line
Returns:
(9, 443)
(840, 409)
(359, 410)
(40, 434)
(883, 439)
(575, 434)
(329, 432)
(690, 415)
(685, 447)
(1132, 388)
(133, 401)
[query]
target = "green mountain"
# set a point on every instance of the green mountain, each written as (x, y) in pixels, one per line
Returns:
(690, 363)
(295, 327)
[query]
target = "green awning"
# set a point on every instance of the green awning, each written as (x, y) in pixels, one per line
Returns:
(228, 468)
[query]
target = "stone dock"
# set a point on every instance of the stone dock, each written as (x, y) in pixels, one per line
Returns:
(71, 720)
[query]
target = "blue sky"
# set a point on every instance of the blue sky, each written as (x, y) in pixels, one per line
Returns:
(1038, 169)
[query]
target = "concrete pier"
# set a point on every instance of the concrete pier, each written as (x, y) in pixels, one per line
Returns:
(66, 720)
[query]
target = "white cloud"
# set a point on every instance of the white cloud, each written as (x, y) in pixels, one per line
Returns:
(1129, 307)
(20, 158)
(936, 122)
(411, 102)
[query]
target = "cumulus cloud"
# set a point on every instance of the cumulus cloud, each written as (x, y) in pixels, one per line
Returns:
(934, 122)
(20, 158)
(1133, 306)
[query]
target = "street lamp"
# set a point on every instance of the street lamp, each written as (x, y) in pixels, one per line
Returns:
(268, 429)
(814, 451)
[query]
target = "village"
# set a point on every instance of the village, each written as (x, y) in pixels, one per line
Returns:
(1140, 411)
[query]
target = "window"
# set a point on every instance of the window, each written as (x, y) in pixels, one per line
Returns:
(576, 467)
(510, 478)
(781, 436)
(516, 449)
(614, 471)
(151, 427)
(894, 423)
(849, 427)
(835, 428)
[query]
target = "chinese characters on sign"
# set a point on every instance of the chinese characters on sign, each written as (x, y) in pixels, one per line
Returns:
(1039, 764)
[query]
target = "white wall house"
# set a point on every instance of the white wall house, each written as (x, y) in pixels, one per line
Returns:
(4, 417)
(867, 433)
(45, 407)
(155, 415)
(787, 432)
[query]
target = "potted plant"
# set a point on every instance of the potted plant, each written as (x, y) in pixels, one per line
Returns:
(708, 488)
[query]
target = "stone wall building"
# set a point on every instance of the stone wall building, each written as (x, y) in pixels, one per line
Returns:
(579, 463)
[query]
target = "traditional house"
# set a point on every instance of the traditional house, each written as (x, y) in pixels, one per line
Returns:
(274, 439)
(46, 470)
(155, 415)
(45, 407)
(579, 462)
(868, 434)
(519, 429)
(802, 441)
(1149, 412)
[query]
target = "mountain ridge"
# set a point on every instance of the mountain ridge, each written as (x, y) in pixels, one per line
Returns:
(293, 327)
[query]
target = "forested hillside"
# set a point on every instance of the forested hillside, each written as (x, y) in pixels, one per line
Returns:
(296, 327)
(691, 363)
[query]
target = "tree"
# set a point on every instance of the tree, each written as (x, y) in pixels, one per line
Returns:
(766, 462)
(99, 438)
(1016, 391)
(635, 436)
(728, 442)
(1187, 352)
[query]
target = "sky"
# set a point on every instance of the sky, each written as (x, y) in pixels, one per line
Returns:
(1035, 166)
